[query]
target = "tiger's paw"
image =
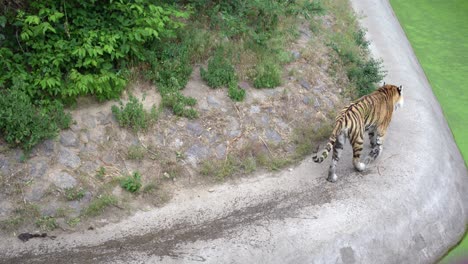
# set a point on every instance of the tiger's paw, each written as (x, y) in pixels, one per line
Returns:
(332, 177)
(368, 160)
(360, 166)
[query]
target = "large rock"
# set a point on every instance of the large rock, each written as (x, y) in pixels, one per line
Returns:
(63, 180)
(69, 139)
(68, 158)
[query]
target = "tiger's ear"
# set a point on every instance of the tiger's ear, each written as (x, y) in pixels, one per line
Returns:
(399, 89)
(383, 83)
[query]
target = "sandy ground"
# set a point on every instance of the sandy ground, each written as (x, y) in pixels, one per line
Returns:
(410, 206)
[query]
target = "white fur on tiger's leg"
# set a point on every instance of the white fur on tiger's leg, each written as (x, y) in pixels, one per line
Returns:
(337, 149)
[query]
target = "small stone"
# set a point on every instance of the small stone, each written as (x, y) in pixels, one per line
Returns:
(63, 180)
(68, 158)
(220, 150)
(104, 118)
(195, 128)
(211, 190)
(38, 168)
(177, 143)
(282, 124)
(89, 168)
(6, 208)
(68, 139)
(89, 121)
(212, 101)
(296, 54)
(265, 119)
(290, 169)
(196, 153)
(4, 165)
(305, 84)
(329, 102)
(316, 103)
(272, 135)
(109, 158)
(36, 191)
(319, 115)
(306, 100)
(234, 133)
(254, 109)
(49, 147)
(166, 175)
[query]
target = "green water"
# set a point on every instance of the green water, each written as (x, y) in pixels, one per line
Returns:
(438, 32)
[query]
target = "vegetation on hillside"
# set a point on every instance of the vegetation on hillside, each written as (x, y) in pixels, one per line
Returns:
(54, 51)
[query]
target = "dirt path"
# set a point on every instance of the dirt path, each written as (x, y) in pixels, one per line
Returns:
(409, 207)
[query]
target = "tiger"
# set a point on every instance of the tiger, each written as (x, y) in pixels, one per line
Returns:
(371, 113)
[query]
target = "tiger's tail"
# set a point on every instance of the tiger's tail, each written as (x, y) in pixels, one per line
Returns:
(330, 143)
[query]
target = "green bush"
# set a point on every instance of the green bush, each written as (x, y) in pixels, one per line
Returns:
(131, 183)
(236, 93)
(133, 116)
(71, 48)
(365, 74)
(25, 124)
(220, 71)
(170, 70)
(268, 76)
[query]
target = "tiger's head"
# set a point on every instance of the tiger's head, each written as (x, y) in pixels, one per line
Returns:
(396, 93)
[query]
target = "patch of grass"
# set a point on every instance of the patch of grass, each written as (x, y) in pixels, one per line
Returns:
(133, 116)
(62, 212)
(131, 183)
(101, 172)
(306, 138)
(46, 223)
(268, 75)
(98, 205)
(149, 188)
(136, 152)
(74, 193)
(350, 50)
(220, 71)
(243, 161)
(72, 222)
(21, 215)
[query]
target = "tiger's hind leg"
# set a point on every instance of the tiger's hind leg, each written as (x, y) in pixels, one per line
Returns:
(357, 141)
(337, 149)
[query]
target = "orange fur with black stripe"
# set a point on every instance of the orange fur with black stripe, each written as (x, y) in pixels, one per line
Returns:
(371, 113)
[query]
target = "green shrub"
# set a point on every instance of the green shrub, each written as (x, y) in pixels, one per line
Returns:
(73, 48)
(131, 183)
(25, 124)
(133, 116)
(220, 71)
(236, 93)
(268, 76)
(365, 74)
